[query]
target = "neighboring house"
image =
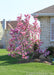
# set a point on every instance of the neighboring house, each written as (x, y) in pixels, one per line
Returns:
(46, 18)
(4, 32)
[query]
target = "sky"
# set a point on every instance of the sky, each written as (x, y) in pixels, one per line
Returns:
(10, 9)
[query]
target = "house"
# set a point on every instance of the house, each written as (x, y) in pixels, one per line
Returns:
(46, 18)
(5, 27)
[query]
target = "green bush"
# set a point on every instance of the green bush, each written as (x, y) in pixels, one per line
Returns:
(35, 47)
(36, 53)
(51, 49)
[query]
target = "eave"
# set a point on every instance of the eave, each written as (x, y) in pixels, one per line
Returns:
(43, 14)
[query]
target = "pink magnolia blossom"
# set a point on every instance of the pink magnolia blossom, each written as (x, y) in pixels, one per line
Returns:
(20, 23)
(17, 48)
(19, 17)
(23, 57)
(25, 53)
(8, 48)
(9, 54)
(21, 41)
(23, 33)
(19, 53)
(12, 55)
(11, 33)
(26, 57)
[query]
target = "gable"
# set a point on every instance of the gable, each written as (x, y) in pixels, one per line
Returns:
(49, 11)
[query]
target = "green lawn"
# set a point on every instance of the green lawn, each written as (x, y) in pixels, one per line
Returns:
(9, 66)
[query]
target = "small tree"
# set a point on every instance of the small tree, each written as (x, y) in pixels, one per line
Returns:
(23, 37)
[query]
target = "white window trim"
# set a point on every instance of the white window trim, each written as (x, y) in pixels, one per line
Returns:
(50, 29)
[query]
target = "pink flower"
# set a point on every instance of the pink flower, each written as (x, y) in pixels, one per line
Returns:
(12, 30)
(44, 51)
(22, 51)
(17, 48)
(35, 19)
(31, 39)
(20, 23)
(8, 48)
(11, 50)
(28, 15)
(24, 28)
(23, 33)
(11, 39)
(26, 42)
(16, 30)
(11, 33)
(26, 57)
(27, 36)
(12, 55)
(21, 43)
(19, 53)
(23, 54)
(48, 52)
(9, 54)
(22, 57)
(19, 17)
(25, 15)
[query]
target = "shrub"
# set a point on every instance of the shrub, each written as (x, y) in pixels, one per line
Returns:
(23, 37)
(38, 51)
(35, 47)
(51, 49)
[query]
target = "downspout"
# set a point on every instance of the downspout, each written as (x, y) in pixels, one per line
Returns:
(4, 28)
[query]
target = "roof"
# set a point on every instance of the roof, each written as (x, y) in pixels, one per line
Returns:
(49, 11)
(12, 23)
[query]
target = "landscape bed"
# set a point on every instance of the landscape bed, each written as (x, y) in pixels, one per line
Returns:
(10, 66)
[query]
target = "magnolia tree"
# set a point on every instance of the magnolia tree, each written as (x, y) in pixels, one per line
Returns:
(23, 37)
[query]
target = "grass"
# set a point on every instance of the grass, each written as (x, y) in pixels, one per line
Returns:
(9, 66)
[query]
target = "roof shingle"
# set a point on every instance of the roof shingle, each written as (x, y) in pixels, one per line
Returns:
(12, 23)
(47, 10)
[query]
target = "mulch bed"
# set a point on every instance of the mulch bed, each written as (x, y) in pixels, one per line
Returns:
(36, 60)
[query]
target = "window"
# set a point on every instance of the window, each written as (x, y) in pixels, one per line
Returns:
(52, 29)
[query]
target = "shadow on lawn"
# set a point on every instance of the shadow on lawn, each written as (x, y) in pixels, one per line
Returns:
(7, 60)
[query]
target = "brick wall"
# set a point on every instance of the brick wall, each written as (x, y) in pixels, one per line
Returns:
(45, 32)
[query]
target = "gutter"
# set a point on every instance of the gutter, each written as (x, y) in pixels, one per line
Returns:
(43, 14)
